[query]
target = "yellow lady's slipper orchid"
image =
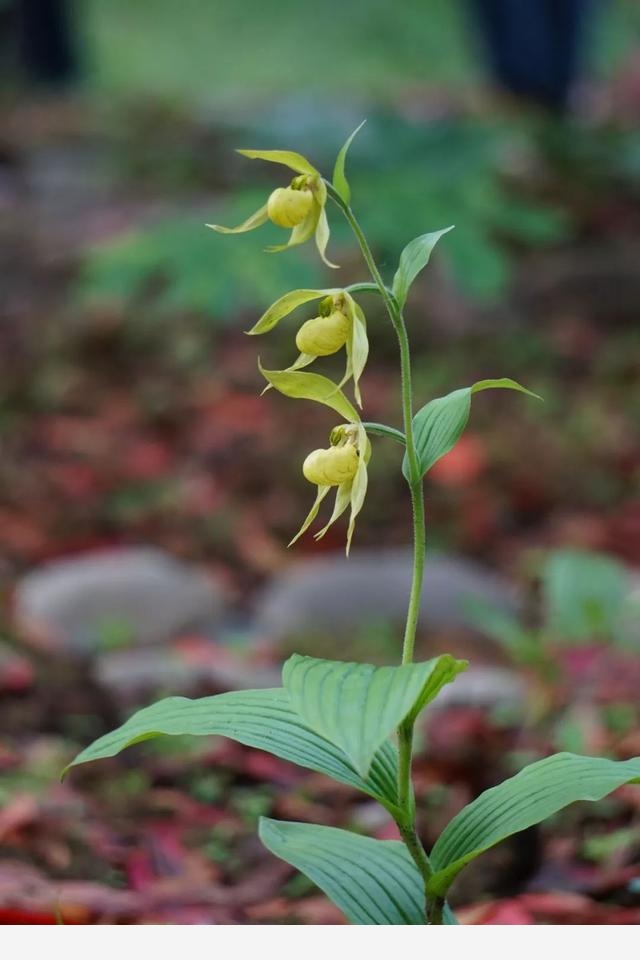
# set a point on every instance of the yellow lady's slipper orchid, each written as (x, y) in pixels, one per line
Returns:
(323, 336)
(341, 323)
(342, 465)
(287, 207)
(300, 206)
(331, 467)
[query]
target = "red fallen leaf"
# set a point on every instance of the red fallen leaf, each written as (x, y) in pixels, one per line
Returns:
(146, 459)
(497, 913)
(75, 480)
(463, 465)
(20, 811)
(16, 673)
(388, 832)
(68, 916)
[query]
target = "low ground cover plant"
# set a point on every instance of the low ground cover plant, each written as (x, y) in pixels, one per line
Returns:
(354, 722)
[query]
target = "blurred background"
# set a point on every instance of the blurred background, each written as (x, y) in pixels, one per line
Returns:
(147, 491)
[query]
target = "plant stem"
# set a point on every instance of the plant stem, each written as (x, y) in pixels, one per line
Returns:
(406, 799)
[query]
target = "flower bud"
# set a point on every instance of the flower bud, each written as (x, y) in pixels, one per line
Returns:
(330, 468)
(287, 207)
(322, 336)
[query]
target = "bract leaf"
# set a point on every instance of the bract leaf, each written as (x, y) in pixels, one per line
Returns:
(413, 259)
(440, 423)
(340, 183)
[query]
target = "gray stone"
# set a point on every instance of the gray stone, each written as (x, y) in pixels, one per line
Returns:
(133, 675)
(335, 596)
(486, 688)
(102, 599)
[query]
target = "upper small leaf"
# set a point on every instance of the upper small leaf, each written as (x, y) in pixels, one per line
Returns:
(440, 423)
(340, 183)
(533, 795)
(311, 386)
(357, 706)
(413, 259)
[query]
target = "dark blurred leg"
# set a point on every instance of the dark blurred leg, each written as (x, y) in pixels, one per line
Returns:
(534, 45)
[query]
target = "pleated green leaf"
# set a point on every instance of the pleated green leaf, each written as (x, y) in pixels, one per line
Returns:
(258, 718)
(413, 259)
(440, 423)
(357, 706)
(533, 795)
(340, 182)
(311, 386)
(373, 882)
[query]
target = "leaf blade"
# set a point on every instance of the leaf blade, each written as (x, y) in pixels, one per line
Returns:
(536, 793)
(440, 423)
(262, 719)
(373, 882)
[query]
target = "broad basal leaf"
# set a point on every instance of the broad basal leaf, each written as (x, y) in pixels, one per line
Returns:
(439, 424)
(311, 386)
(357, 706)
(340, 183)
(371, 881)
(413, 259)
(258, 718)
(533, 795)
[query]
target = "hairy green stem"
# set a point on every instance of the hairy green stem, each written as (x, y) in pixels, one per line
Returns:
(406, 799)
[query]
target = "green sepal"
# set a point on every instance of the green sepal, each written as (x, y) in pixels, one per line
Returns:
(288, 158)
(311, 386)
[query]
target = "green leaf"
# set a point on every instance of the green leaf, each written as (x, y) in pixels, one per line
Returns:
(584, 595)
(533, 795)
(440, 423)
(371, 881)
(286, 305)
(295, 161)
(413, 259)
(311, 386)
(357, 706)
(503, 383)
(258, 718)
(340, 183)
